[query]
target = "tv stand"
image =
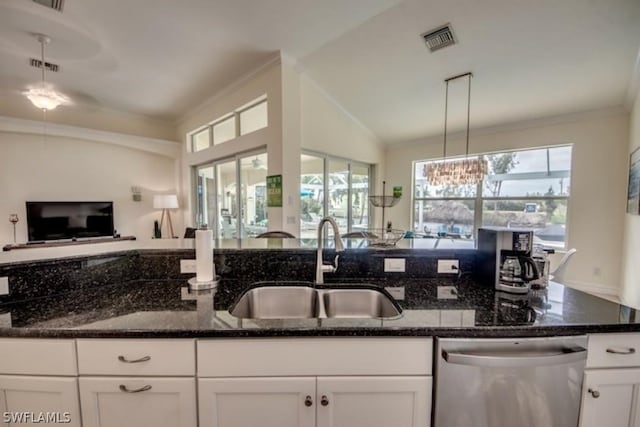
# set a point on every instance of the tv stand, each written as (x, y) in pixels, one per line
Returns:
(52, 244)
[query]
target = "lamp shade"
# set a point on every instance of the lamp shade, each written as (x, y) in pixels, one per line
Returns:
(165, 201)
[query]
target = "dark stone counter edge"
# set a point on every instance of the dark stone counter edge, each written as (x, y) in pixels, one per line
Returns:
(475, 332)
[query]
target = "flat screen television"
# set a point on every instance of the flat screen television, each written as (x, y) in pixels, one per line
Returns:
(69, 220)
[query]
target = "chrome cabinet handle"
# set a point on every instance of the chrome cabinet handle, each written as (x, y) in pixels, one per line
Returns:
(308, 401)
(627, 351)
(142, 359)
(126, 390)
(324, 401)
(594, 393)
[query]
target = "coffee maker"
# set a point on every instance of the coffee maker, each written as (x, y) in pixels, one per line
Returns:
(504, 258)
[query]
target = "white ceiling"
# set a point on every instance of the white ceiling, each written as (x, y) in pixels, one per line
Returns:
(161, 58)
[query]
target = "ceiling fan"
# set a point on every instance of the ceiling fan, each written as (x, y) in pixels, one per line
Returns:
(43, 95)
(258, 164)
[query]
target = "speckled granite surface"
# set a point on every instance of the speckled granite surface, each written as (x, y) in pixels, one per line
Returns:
(142, 294)
(148, 308)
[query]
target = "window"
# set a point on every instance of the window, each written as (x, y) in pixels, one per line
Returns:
(200, 140)
(528, 188)
(346, 184)
(253, 118)
(224, 130)
(248, 118)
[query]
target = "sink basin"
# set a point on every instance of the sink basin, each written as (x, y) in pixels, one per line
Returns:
(305, 302)
(277, 302)
(358, 303)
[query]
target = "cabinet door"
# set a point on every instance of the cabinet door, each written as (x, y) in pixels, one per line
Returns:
(138, 402)
(257, 402)
(45, 400)
(374, 401)
(611, 398)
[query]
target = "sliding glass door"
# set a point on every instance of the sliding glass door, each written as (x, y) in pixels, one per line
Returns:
(231, 196)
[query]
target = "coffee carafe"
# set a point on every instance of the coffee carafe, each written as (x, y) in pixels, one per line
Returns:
(516, 272)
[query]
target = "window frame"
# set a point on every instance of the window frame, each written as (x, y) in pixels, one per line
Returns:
(235, 114)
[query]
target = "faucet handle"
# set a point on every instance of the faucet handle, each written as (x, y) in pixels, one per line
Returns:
(335, 262)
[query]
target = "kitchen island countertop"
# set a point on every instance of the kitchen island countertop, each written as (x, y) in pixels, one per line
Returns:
(167, 309)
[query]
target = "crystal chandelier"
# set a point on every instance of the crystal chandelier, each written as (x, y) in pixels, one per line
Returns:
(460, 171)
(43, 96)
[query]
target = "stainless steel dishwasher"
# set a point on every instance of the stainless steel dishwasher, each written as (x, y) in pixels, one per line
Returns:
(533, 382)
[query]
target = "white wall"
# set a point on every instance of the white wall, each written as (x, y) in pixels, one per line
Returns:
(630, 294)
(35, 167)
(596, 208)
(265, 80)
(329, 129)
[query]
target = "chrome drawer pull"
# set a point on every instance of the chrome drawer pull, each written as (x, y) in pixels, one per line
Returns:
(594, 393)
(126, 390)
(628, 351)
(142, 359)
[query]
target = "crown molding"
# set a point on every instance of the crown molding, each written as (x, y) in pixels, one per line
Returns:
(162, 147)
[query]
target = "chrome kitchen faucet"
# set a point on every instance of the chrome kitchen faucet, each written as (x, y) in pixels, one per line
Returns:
(322, 268)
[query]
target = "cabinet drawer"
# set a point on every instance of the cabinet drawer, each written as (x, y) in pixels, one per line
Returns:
(613, 350)
(37, 357)
(133, 357)
(314, 356)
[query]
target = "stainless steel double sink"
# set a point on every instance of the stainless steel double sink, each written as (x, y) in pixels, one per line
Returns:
(307, 302)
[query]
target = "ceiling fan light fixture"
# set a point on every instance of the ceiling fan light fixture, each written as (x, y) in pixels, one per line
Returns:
(43, 96)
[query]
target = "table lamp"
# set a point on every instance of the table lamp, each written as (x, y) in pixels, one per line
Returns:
(166, 202)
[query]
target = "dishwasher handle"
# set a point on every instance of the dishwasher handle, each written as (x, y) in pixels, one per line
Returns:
(500, 360)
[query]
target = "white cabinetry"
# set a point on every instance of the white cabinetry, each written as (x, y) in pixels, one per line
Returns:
(41, 388)
(323, 382)
(264, 402)
(127, 383)
(611, 388)
(136, 401)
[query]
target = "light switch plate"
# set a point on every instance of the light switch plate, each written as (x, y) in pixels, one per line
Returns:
(397, 292)
(4, 285)
(448, 266)
(447, 292)
(187, 266)
(394, 265)
(5, 320)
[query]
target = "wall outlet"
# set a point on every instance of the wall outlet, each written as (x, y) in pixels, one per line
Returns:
(448, 266)
(187, 266)
(4, 285)
(5, 320)
(394, 265)
(397, 292)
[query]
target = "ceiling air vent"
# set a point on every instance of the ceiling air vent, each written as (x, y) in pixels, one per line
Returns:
(51, 4)
(439, 38)
(48, 65)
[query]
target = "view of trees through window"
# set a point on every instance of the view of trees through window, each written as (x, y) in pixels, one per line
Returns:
(527, 189)
(346, 186)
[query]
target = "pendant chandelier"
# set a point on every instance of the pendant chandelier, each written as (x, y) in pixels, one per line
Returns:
(43, 96)
(456, 171)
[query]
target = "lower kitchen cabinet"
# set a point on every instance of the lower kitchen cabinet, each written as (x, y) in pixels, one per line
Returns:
(611, 397)
(315, 401)
(257, 402)
(45, 400)
(138, 402)
(374, 401)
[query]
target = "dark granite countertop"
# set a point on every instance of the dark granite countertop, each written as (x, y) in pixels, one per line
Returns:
(166, 308)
